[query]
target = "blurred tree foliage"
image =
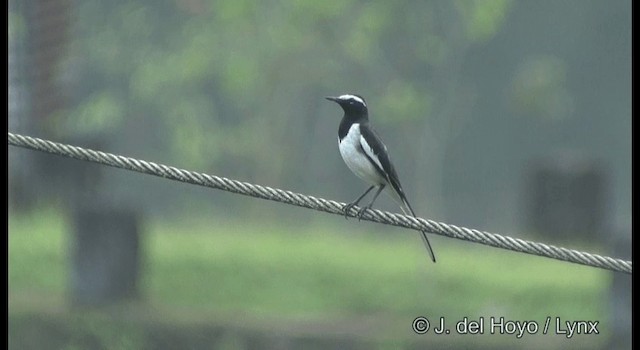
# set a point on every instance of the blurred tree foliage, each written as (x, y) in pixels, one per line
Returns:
(219, 83)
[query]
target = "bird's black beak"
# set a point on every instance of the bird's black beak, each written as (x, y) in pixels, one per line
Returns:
(334, 99)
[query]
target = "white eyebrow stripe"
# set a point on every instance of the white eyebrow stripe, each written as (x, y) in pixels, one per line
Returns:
(354, 97)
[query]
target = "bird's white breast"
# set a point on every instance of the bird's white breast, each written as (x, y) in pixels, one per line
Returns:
(352, 154)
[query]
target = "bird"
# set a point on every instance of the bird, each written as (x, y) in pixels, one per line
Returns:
(368, 158)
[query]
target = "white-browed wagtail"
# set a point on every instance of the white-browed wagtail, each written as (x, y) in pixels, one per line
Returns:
(368, 158)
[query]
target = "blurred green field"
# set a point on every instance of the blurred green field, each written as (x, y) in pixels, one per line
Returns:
(214, 268)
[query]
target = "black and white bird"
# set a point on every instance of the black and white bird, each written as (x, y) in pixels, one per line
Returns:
(368, 158)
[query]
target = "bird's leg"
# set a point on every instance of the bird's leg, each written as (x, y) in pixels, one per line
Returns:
(348, 207)
(368, 206)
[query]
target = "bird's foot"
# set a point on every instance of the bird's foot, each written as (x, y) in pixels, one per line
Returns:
(347, 208)
(362, 211)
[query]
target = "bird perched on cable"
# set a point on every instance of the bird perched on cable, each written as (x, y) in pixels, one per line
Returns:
(367, 157)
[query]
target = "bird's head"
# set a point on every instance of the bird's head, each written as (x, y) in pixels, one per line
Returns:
(351, 104)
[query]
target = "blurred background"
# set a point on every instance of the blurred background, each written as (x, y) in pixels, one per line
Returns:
(506, 116)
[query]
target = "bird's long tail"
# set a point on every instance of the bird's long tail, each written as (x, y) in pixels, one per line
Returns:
(407, 210)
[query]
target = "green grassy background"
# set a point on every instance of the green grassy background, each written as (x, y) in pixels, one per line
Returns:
(280, 275)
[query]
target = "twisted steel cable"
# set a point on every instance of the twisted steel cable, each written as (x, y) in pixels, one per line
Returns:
(321, 204)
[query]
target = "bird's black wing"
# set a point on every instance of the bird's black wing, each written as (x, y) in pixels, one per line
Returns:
(377, 153)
